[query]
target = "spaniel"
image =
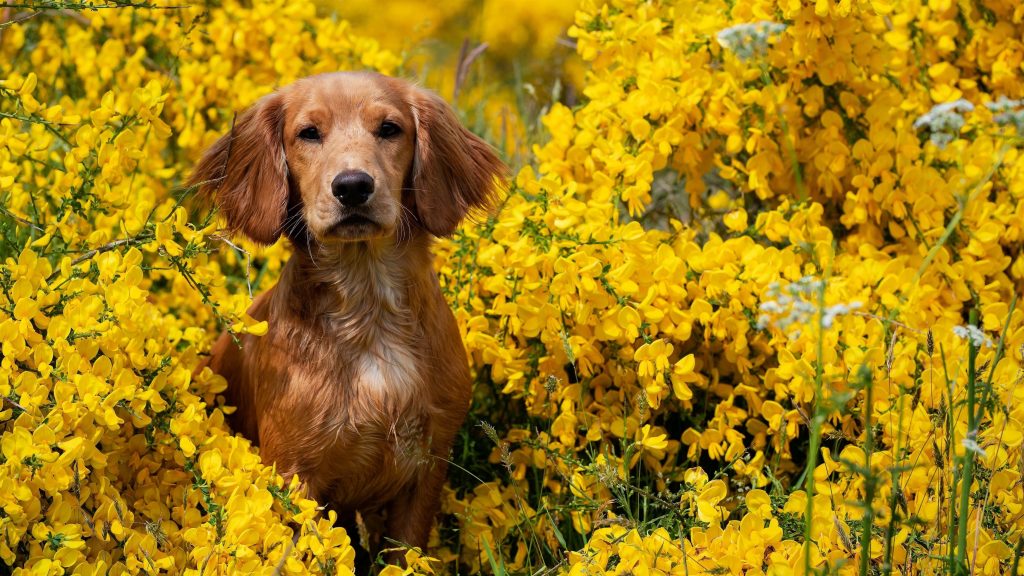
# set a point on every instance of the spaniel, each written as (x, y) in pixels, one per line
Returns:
(361, 382)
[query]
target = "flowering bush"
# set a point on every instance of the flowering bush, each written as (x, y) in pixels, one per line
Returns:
(749, 307)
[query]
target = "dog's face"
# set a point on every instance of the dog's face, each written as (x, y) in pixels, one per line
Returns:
(349, 142)
(345, 157)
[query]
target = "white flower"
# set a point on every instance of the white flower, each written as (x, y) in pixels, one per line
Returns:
(832, 312)
(970, 443)
(944, 121)
(1008, 112)
(973, 334)
(798, 306)
(749, 40)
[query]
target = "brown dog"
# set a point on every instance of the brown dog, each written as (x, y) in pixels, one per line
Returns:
(361, 382)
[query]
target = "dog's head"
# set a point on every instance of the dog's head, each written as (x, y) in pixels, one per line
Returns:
(345, 157)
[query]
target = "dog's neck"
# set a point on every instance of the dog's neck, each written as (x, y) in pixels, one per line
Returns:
(358, 287)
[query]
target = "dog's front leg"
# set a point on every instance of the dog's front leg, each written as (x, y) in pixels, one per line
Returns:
(411, 514)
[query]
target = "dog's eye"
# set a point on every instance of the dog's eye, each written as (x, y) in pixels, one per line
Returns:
(310, 133)
(388, 129)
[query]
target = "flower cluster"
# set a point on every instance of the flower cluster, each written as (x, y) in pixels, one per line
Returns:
(944, 121)
(1008, 112)
(799, 305)
(749, 40)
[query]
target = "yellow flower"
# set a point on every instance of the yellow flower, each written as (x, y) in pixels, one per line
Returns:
(736, 220)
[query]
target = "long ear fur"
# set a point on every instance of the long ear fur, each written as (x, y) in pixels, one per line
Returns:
(454, 171)
(246, 172)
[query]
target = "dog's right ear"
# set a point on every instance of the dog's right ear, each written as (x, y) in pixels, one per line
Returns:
(454, 171)
(246, 172)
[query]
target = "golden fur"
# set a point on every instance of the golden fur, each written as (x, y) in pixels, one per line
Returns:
(361, 382)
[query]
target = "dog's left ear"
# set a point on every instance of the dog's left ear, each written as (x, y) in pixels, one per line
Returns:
(454, 171)
(246, 173)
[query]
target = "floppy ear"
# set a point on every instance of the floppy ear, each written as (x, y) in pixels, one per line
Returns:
(246, 172)
(454, 171)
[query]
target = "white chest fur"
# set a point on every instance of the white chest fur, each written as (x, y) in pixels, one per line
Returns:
(387, 367)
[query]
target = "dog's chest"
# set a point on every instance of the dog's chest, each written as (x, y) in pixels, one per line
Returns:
(380, 421)
(367, 414)
(386, 369)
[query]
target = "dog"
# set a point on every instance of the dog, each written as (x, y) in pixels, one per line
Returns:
(361, 382)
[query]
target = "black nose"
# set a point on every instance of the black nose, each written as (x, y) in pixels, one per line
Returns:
(352, 187)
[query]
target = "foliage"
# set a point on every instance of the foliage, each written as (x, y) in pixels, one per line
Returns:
(749, 307)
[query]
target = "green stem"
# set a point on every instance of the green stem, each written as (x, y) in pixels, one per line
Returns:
(1016, 557)
(955, 221)
(967, 477)
(950, 457)
(789, 138)
(1000, 353)
(816, 420)
(894, 475)
(869, 480)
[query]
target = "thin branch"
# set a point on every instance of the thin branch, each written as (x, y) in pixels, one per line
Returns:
(466, 59)
(101, 249)
(77, 17)
(17, 19)
(21, 220)
(284, 557)
(567, 42)
(248, 259)
(14, 404)
(887, 321)
(46, 6)
(33, 119)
